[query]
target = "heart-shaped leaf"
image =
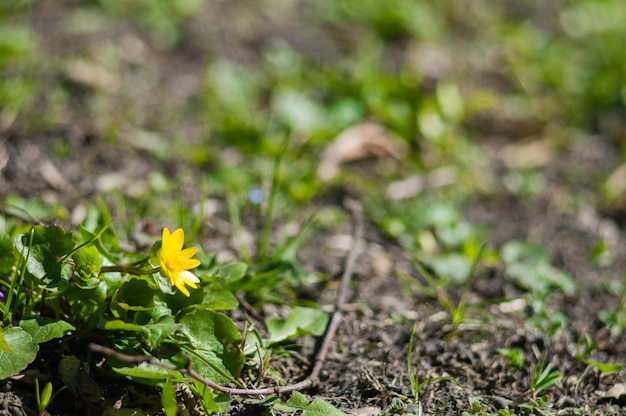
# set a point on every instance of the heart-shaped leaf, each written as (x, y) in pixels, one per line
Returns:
(23, 352)
(45, 329)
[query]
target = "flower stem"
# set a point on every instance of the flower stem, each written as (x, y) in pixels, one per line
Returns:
(124, 268)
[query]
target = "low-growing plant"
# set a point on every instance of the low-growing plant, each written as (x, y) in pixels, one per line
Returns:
(478, 408)
(168, 306)
(528, 266)
(45, 396)
(434, 288)
(515, 356)
(60, 286)
(544, 317)
(537, 406)
(298, 403)
(416, 384)
(584, 347)
(543, 377)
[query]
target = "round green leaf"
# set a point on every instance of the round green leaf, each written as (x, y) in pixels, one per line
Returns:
(23, 352)
(45, 329)
(301, 321)
(215, 340)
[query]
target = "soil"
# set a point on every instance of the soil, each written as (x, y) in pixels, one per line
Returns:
(366, 372)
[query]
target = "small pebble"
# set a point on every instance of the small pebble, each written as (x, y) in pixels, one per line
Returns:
(366, 411)
(501, 403)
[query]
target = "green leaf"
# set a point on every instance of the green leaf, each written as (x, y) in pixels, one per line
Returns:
(542, 379)
(541, 278)
(557, 279)
(7, 255)
(514, 355)
(521, 252)
(160, 311)
(605, 367)
(453, 267)
(298, 110)
(157, 333)
(31, 208)
(87, 305)
(211, 402)
(220, 300)
(56, 241)
(529, 266)
(46, 395)
(23, 352)
(301, 321)
(87, 262)
(4, 346)
(118, 325)
(232, 271)
(136, 294)
(440, 215)
(450, 101)
(254, 346)
(298, 402)
(45, 329)
(214, 340)
(144, 371)
(164, 284)
(103, 238)
(44, 247)
(168, 399)
(134, 301)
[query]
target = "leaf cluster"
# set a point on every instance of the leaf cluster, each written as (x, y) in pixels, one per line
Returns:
(58, 286)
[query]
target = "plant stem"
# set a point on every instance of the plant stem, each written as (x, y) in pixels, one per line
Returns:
(129, 269)
(269, 210)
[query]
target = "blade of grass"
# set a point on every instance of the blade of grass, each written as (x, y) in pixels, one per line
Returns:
(269, 210)
(234, 217)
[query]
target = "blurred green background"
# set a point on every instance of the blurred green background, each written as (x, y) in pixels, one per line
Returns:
(217, 85)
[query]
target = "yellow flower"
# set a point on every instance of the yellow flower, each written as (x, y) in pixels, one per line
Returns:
(176, 262)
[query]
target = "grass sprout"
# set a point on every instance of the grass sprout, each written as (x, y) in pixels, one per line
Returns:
(543, 377)
(416, 385)
(457, 310)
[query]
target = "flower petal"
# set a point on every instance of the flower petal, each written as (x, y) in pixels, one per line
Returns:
(189, 278)
(176, 262)
(188, 252)
(176, 240)
(190, 264)
(181, 286)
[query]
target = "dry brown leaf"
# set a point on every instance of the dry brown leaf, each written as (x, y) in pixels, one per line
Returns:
(382, 264)
(365, 140)
(527, 155)
(617, 392)
(91, 74)
(53, 176)
(431, 60)
(413, 185)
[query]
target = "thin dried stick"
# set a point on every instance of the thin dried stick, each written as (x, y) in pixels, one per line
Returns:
(357, 244)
